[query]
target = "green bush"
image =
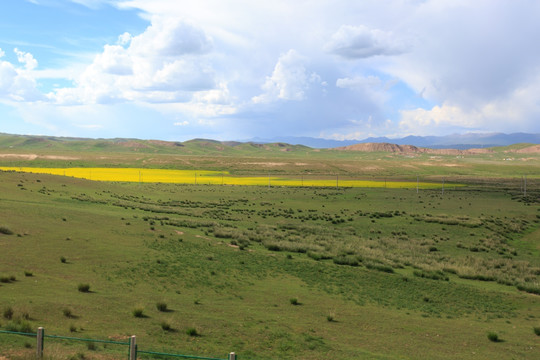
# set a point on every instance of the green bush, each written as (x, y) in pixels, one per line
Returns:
(294, 301)
(84, 288)
(192, 332)
(161, 306)
(166, 326)
(19, 325)
(138, 312)
(533, 289)
(4, 230)
(380, 267)
(492, 336)
(8, 313)
(433, 275)
(67, 312)
(63, 259)
(536, 330)
(346, 260)
(7, 279)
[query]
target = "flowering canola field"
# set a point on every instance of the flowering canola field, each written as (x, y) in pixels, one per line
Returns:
(214, 178)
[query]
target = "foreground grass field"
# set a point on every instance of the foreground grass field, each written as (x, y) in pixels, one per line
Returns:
(271, 273)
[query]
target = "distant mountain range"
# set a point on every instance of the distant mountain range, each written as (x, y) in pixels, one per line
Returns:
(456, 141)
(287, 143)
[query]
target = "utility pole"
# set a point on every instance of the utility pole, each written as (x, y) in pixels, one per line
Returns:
(443, 186)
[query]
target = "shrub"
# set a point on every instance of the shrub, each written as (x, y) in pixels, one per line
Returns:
(28, 273)
(492, 336)
(67, 312)
(8, 313)
(19, 325)
(433, 275)
(5, 279)
(380, 267)
(533, 289)
(536, 330)
(161, 306)
(63, 259)
(294, 301)
(166, 326)
(72, 328)
(4, 230)
(346, 260)
(84, 288)
(138, 312)
(91, 346)
(192, 332)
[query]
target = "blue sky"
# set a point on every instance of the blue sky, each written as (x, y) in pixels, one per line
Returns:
(236, 69)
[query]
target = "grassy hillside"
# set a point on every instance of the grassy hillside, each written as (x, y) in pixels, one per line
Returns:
(278, 158)
(283, 273)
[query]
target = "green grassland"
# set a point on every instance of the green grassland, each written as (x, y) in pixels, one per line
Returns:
(270, 272)
(399, 274)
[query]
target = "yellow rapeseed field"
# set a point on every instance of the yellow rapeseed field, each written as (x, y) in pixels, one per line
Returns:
(214, 178)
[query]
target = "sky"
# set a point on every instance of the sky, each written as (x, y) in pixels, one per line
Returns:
(240, 69)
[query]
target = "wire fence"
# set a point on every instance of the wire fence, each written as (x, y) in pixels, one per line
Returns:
(132, 348)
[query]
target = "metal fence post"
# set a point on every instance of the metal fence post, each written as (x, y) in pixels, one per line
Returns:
(133, 348)
(232, 356)
(39, 337)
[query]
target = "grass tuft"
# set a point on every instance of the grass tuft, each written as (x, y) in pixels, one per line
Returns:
(492, 336)
(19, 325)
(166, 326)
(6, 231)
(84, 287)
(161, 306)
(8, 313)
(67, 312)
(138, 312)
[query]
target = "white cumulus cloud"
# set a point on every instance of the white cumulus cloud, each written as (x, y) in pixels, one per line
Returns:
(357, 42)
(166, 63)
(288, 81)
(27, 59)
(18, 83)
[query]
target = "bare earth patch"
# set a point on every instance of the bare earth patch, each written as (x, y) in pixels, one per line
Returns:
(34, 156)
(267, 163)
